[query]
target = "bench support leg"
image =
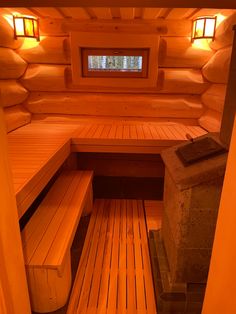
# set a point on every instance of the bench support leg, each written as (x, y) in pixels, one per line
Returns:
(89, 202)
(49, 291)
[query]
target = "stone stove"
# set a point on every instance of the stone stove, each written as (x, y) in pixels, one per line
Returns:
(191, 201)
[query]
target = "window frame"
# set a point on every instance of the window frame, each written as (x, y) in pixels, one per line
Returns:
(119, 40)
(86, 52)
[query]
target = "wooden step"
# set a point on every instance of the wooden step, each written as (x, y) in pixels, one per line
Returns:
(114, 273)
(48, 236)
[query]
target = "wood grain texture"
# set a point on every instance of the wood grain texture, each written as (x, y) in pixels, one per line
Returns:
(11, 64)
(114, 273)
(13, 287)
(48, 236)
(211, 121)
(132, 26)
(129, 3)
(183, 81)
(214, 97)
(217, 68)
(12, 93)
(41, 77)
(50, 50)
(36, 152)
(153, 212)
(178, 52)
(15, 117)
(49, 291)
(224, 33)
(131, 137)
(115, 105)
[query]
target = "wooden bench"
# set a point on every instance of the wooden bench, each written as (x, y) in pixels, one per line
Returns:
(36, 152)
(48, 236)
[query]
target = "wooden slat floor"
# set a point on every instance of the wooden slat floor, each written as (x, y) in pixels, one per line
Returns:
(114, 274)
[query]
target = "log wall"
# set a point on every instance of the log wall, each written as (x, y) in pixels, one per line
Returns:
(13, 68)
(216, 71)
(36, 78)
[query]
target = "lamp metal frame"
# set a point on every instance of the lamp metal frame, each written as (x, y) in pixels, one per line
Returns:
(205, 18)
(37, 36)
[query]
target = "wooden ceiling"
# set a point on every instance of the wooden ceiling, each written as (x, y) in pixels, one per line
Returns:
(230, 4)
(117, 13)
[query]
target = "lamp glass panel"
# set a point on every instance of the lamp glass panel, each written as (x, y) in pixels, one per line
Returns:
(210, 28)
(19, 25)
(193, 29)
(199, 30)
(36, 29)
(29, 28)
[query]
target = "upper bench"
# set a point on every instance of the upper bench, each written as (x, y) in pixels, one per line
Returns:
(37, 150)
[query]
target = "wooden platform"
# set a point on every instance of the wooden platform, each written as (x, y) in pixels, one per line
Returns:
(114, 274)
(37, 150)
(131, 137)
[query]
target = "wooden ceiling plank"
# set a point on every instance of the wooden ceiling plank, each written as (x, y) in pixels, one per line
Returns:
(76, 13)
(226, 4)
(206, 12)
(115, 12)
(47, 12)
(135, 26)
(102, 13)
(60, 11)
(227, 12)
(91, 13)
(127, 13)
(21, 11)
(138, 13)
(193, 13)
(151, 13)
(35, 12)
(167, 13)
(180, 13)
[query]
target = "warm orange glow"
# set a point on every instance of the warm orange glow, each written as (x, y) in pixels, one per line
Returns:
(9, 19)
(220, 19)
(204, 27)
(25, 26)
(202, 44)
(30, 43)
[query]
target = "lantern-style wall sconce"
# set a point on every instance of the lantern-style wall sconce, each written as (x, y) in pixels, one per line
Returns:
(25, 26)
(204, 28)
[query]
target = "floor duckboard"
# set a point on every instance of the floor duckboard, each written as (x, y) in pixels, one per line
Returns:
(114, 273)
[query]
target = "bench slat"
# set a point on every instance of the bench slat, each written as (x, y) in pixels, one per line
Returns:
(116, 275)
(38, 224)
(65, 235)
(59, 212)
(48, 236)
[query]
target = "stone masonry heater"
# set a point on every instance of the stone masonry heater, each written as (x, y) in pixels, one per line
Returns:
(181, 249)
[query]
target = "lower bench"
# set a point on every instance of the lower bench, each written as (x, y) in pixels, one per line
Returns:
(48, 236)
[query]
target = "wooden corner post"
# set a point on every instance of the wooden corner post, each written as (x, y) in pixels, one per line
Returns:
(14, 298)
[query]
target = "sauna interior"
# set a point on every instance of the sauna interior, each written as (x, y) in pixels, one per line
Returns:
(98, 212)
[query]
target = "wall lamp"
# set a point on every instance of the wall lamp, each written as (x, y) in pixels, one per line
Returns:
(204, 28)
(25, 26)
